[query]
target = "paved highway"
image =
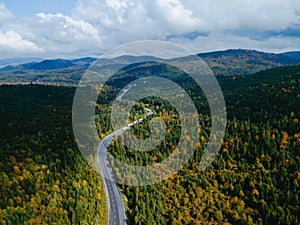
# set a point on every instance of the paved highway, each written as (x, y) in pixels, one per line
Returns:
(115, 203)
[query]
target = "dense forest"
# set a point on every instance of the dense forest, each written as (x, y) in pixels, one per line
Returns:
(254, 179)
(44, 179)
(68, 72)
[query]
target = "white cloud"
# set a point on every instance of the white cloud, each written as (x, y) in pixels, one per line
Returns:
(120, 21)
(12, 42)
(49, 35)
(195, 15)
(65, 29)
(63, 35)
(97, 25)
(175, 16)
(220, 15)
(223, 41)
(5, 14)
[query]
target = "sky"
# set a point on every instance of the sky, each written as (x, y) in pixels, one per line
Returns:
(78, 28)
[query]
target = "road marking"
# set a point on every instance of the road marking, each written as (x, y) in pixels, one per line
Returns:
(111, 189)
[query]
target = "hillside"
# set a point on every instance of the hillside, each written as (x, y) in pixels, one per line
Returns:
(43, 178)
(17, 61)
(295, 55)
(263, 96)
(256, 176)
(241, 62)
(254, 180)
(69, 72)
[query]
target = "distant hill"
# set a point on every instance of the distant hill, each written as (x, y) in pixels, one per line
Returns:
(49, 65)
(75, 64)
(84, 61)
(293, 55)
(240, 62)
(17, 61)
(254, 179)
(223, 63)
(275, 90)
(43, 65)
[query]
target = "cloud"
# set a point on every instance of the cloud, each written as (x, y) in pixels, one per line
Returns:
(65, 29)
(193, 15)
(51, 35)
(223, 41)
(94, 26)
(120, 21)
(175, 16)
(5, 14)
(60, 35)
(251, 15)
(12, 42)
(292, 31)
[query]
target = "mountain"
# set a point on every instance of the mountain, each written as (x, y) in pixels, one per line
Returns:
(253, 180)
(240, 62)
(17, 61)
(54, 184)
(81, 63)
(293, 55)
(49, 65)
(43, 65)
(231, 62)
(84, 61)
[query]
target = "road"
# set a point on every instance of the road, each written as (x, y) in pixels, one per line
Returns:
(115, 202)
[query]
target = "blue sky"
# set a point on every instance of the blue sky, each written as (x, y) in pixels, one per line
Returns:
(31, 7)
(76, 28)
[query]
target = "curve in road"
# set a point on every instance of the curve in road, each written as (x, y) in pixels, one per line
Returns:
(115, 202)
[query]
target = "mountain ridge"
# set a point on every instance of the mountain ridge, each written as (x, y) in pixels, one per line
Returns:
(231, 62)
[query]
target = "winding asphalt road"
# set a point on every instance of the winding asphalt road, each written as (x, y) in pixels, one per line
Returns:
(115, 202)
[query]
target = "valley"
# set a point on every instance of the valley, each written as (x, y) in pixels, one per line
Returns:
(254, 179)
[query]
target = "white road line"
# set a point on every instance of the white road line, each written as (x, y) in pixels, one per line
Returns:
(112, 192)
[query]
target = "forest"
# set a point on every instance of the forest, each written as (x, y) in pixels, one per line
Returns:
(254, 179)
(44, 179)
